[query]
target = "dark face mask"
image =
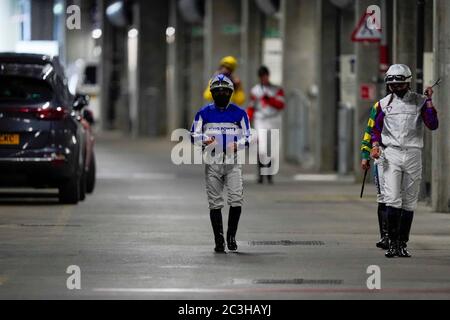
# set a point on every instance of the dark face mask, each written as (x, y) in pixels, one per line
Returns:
(399, 92)
(221, 98)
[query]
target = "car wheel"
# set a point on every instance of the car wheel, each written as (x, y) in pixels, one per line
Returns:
(69, 191)
(91, 174)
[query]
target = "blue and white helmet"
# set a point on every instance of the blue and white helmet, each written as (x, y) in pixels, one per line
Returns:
(221, 81)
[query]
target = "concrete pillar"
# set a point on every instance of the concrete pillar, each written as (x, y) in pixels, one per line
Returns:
(405, 34)
(347, 93)
(367, 72)
(79, 43)
(152, 61)
(42, 19)
(196, 62)
(106, 65)
(120, 81)
(8, 40)
(222, 33)
(300, 78)
(441, 142)
(326, 129)
(425, 193)
(177, 61)
(251, 43)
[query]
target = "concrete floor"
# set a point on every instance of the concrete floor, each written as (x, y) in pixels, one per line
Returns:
(145, 234)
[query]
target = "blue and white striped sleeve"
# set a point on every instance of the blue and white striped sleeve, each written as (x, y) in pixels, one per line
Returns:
(246, 135)
(197, 136)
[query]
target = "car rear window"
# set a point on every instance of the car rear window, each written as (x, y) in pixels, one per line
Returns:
(24, 90)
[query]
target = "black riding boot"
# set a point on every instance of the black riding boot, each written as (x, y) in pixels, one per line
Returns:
(217, 225)
(404, 230)
(393, 215)
(233, 221)
(269, 177)
(260, 176)
(383, 223)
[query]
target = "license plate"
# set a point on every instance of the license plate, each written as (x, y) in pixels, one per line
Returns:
(9, 139)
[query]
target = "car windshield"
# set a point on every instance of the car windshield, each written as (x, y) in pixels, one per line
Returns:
(24, 90)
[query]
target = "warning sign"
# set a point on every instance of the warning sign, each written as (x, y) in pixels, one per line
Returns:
(363, 33)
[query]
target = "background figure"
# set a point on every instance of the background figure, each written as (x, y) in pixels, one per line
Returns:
(265, 110)
(227, 67)
(366, 149)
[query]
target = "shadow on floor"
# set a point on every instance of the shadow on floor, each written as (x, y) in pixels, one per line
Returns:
(28, 198)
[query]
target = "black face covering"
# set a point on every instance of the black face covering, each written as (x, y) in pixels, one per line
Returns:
(399, 92)
(221, 98)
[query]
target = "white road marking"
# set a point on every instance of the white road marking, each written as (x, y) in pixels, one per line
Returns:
(247, 177)
(136, 176)
(179, 267)
(159, 290)
(306, 178)
(154, 198)
(333, 290)
(323, 178)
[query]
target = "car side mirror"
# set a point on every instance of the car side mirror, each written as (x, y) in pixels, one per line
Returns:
(81, 101)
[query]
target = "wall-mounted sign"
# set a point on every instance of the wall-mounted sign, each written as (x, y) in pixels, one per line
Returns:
(363, 33)
(348, 80)
(367, 91)
(231, 29)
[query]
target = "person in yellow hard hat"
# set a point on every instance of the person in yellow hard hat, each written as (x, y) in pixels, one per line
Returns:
(227, 66)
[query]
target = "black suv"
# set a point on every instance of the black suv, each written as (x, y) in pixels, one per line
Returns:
(44, 139)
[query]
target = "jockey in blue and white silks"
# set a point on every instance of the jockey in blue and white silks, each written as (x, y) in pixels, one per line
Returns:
(226, 127)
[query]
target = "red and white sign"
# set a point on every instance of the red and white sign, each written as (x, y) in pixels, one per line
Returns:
(367, 91)
(364, 33)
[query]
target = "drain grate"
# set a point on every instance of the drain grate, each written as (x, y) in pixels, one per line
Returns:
(300, 281)
(286, 243)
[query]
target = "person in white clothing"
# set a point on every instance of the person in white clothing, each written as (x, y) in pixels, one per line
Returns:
(399, 131)
(265, 110)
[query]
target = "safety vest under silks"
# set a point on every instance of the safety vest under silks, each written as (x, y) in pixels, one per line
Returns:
(399, 122)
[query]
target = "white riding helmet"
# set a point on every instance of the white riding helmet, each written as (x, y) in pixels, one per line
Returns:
(221, 81)
(398, 73)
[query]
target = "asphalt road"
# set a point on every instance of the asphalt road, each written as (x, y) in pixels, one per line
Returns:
(145, 234)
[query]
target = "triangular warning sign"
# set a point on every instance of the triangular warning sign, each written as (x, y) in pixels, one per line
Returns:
(363, 33)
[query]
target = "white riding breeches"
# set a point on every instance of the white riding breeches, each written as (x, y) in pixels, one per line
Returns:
(219, 176)
(402, 177)
(266, 150)
(379, 179)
